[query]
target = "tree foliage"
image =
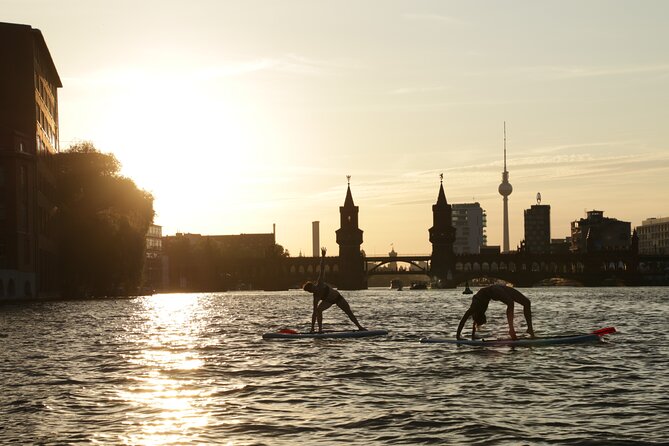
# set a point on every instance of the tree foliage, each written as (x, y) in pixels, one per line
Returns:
(102, 220)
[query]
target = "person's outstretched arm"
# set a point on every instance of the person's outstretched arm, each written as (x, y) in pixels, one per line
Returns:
(468, 313)
(321, 274)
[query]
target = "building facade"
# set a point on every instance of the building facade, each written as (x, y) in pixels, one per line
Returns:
(654, 236)
(597, 233)
(194, 262)
(469, 221)
(538, 229)
(29, 85)
(153, 259)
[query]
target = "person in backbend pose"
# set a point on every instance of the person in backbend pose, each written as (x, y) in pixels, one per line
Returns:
(500, 293)
(324, 297)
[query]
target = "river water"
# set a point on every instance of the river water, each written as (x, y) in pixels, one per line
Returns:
(193, 369)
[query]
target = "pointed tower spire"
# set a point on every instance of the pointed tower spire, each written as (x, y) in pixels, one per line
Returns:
(348, 202)
(441, 199)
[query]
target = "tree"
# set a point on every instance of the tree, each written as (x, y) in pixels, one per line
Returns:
(102, 219)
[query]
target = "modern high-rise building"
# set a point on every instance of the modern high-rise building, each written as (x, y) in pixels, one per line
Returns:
(469, 221)
(598, 233)
(654, 236)
(29, 85)
(538, 228)
(505, 190)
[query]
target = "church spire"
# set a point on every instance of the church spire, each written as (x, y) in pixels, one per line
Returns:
(441, 199)
(348, 202)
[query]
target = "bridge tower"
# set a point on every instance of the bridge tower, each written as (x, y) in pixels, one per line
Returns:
(349, 239)
(442, 237)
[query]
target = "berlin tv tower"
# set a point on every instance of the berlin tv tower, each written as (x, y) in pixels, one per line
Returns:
(505, 190)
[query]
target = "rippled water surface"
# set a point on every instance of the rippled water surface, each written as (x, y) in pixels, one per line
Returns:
(193, 369)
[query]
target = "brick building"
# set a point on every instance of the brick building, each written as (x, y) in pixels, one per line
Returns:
(29, 85)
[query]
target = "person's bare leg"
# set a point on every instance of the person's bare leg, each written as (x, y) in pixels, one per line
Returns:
(341, 303)
(527, 311)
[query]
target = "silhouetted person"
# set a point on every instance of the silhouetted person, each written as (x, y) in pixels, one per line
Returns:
(501, 293)
(324, 297)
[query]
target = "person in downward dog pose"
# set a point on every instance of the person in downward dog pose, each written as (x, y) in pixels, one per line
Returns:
(501, 293)
(324, 297)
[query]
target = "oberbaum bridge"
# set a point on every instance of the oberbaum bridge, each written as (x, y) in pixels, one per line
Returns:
(446, 269)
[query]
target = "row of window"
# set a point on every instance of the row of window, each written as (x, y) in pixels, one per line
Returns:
(537, 267)
(154, 244)
(652, 230)
(47, 92)
(47, 129)
(155, 231)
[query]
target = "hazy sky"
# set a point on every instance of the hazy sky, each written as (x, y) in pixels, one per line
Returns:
(240, 114)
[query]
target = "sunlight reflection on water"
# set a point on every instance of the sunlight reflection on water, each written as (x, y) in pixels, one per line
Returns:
(170, 405)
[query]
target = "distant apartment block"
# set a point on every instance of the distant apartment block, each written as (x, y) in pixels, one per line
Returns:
(211, 262)
(654, 236)
(598, 233)
(153, 259)
(538, 229)
(29, 85)
(469, 221)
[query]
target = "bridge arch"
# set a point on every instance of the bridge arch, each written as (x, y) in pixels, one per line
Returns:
(380, 263)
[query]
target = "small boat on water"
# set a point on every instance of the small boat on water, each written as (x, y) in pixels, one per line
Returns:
(418, 285)
(396, 284)
(467, 289)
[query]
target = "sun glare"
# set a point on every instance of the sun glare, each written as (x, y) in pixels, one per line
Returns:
(183, 140)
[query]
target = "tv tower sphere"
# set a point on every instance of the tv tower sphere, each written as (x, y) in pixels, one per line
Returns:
(505, 188)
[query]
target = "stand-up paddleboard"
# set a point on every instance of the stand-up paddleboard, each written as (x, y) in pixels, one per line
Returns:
(526, 342)
(293, 334)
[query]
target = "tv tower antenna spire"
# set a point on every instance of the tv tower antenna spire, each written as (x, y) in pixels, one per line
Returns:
(505, 190)
(504, 146)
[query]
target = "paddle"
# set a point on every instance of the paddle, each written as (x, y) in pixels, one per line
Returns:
(604, 331)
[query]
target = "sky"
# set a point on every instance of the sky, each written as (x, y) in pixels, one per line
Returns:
(241, 115)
